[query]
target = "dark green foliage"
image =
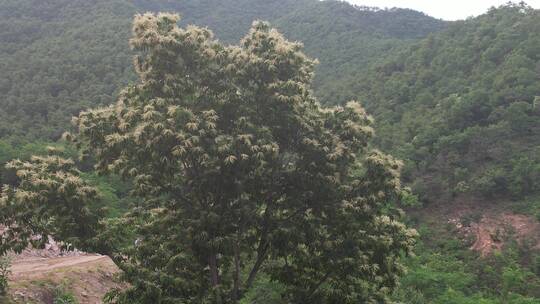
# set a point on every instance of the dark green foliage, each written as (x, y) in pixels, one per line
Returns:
(348, 40)
(240, 173)
(243, 173)
(460, 107)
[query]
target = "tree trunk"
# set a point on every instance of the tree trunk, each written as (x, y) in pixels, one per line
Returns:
(236, 287)
(261, 256)
(214, 277)
(262, 249)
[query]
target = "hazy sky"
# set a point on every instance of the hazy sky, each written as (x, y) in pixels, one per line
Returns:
(445, 9)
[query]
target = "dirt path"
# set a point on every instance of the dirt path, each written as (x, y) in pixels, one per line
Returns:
(39, 266)
(30, 267)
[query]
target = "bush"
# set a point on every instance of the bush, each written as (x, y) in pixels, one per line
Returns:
(62, 296)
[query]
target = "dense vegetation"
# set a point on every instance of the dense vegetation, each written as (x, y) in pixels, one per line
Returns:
(458, 102)
(58, 58)
(61, 57)
(345, 39)
(462, 107)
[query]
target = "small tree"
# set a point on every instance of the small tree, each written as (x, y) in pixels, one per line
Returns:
(51, 200)
(5, 264)
(242, 172)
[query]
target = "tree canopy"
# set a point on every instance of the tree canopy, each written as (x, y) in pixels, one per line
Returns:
(240, 173)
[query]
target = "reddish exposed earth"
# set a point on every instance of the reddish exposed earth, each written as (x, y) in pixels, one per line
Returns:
(494, 229)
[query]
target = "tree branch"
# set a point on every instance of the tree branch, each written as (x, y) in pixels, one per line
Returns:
(262, 249)
(316, 287)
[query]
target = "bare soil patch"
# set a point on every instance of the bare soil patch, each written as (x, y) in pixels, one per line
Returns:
(36, 273)
(491, 228)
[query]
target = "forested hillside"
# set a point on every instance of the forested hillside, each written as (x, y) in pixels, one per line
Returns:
(463, 106)
(346, 39)
(60, 57)
(57, 58)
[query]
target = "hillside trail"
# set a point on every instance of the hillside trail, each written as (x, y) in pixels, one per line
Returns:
(38, 267)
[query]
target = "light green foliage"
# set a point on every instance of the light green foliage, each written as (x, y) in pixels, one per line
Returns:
(13, 149)
(62, 295)
(433, 274)
(65, 299)
(446, 271)
(264, 291)
(242, 172)
(114, 193)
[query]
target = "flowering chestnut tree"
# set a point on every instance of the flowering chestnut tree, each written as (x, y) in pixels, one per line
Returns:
(242, 174)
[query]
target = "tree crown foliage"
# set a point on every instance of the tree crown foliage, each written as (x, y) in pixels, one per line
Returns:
(240, 171)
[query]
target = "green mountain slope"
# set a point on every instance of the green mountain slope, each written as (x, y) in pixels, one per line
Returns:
(346, 39)
(59, 57)
(462, 107)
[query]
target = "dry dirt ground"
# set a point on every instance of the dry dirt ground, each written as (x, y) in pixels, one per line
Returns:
(492, 231)
(34, 279)
(37, 274)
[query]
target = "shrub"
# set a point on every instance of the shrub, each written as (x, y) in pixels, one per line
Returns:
(5, 264)
(62, 296)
